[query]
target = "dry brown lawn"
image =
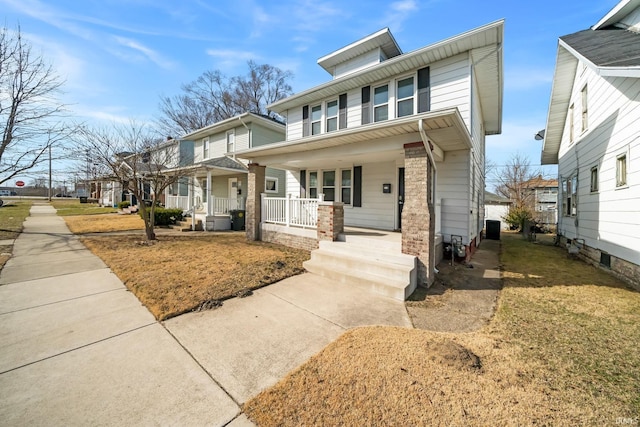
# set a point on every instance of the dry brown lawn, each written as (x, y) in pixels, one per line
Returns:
(110, 222)
(562, 349)
(176, 274)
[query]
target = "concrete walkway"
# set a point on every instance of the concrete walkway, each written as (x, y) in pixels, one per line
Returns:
(79, 349)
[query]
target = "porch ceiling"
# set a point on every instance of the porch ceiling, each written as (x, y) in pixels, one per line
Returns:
(374, 142)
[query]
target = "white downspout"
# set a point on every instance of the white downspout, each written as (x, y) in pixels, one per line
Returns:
(427, 146)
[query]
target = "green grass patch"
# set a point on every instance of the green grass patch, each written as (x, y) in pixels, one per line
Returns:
(12, 215)
(74, 207)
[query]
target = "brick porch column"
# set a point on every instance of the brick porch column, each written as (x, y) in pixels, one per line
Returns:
(255, 184)
(418, 222)
(330, 220)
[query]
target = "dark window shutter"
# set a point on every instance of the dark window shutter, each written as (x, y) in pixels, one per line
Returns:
(366, 105)
(342, 111)
(357, 186)
(303, 183)
(424, 90)
(305, 121)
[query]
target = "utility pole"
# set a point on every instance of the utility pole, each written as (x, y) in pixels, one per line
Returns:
(49, 172)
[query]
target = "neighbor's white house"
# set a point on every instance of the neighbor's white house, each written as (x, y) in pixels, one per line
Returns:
(593, 134)
(395, 141)
(214, 182)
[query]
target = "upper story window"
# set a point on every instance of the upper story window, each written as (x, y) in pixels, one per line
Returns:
(571, 124)
(381, 103)
(584, 108)
(404, 97)
(621, 170)
(316, 119)
(332, 116)
(205, 148)
(594, 179)
(231, 141)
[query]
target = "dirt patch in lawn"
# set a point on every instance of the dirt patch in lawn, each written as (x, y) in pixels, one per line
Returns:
(81, 224)
(561, 349)
(177, 274)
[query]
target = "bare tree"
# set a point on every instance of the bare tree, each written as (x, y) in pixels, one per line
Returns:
(29, 110)
(514, 183)
(213, 97)
(132, 155)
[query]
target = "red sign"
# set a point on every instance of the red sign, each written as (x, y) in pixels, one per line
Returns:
(20, 183)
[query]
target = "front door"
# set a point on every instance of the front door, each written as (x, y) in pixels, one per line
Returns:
(400, 196)
(233, 193)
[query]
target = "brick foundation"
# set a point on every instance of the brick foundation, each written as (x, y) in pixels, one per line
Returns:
(253, 217)
(418, 228)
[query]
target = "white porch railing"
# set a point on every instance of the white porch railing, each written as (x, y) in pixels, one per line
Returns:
(290, 211)
(219, 205)
(177, 202)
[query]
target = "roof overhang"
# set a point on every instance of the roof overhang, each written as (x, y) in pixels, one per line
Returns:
(444, 128)
(563, 77)
(218, 166)
(614, 16)
(488, 66)
(233, 122)
(382, 39)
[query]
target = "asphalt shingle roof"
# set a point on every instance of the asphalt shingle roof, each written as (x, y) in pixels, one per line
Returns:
(610, 47)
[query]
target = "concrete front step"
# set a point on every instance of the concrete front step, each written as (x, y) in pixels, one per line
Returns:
(362, 263)
(186, 225)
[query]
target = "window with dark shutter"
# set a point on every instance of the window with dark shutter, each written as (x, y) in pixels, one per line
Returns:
(424, 90)
(342, 114)
(305, 121)
(357, 186)
(303, 183)
(366, 105)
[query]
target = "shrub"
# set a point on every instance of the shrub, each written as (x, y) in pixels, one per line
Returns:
(164, 216)
(124, 204)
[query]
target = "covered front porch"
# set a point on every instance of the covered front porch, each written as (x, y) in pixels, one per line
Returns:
(210, 192)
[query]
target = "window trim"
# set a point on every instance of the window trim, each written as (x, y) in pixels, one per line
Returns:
(266, 187)
(398, 100)
(350, 187)
(584, 94)
(594, 183)
(309, 183)
(622, 183)
(205, 148)
(571, 123)
(334, 186)
(319, 121)
(231, 144)
(334, 117)
(384, 104)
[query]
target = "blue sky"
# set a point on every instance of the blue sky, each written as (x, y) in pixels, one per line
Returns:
(119, 56)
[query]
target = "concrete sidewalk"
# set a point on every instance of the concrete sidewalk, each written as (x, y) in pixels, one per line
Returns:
(78, 348)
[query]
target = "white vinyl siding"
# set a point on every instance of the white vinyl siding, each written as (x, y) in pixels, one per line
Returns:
(293, 183)
(453, 194)
(606, 219)
(450, 85)
(378, 209)
(358, 63)
(354, 104)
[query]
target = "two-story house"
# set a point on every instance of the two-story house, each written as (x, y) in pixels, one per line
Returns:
(394, 142)
(543, 194)
(215, 181)
(593, 135)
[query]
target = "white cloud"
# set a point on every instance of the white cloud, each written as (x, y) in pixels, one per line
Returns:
(146, 52)
(399, 11)
(230, 58)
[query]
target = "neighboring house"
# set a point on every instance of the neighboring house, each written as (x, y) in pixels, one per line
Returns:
(593, 134)
(544, 197)
(395, 141)
(214, 183)
(496, 208)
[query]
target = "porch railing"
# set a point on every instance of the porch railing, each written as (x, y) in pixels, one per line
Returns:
(219, 205)
(177, 202)
(290, 211)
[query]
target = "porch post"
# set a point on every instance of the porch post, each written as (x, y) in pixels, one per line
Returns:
(418, 221)
(253, 216)
(209, 201)
(330, 220)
